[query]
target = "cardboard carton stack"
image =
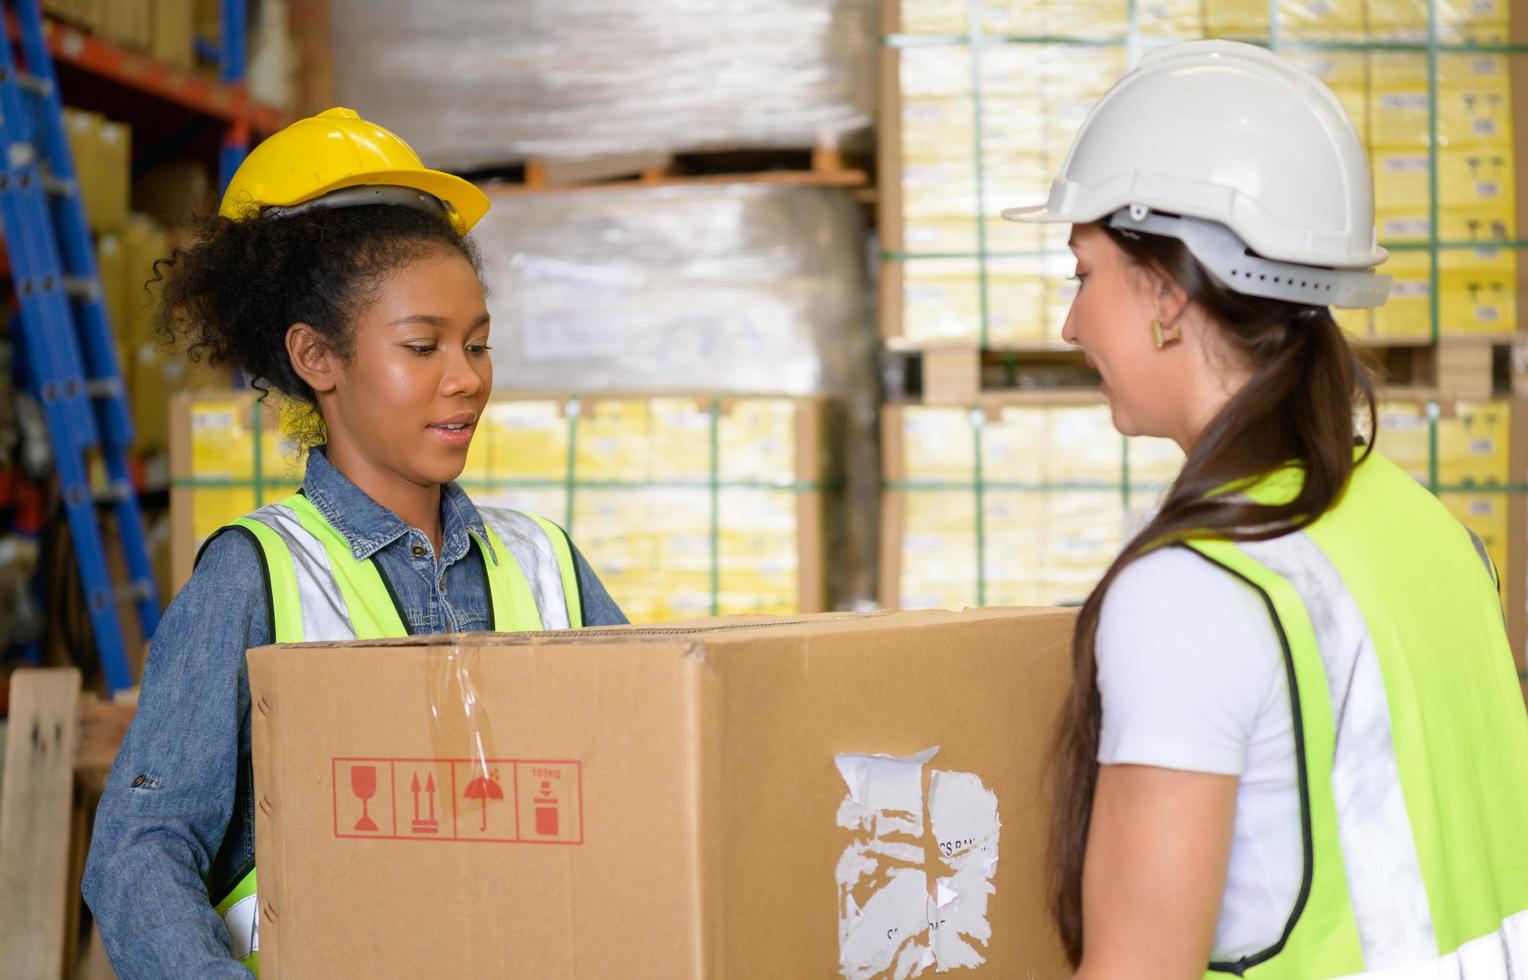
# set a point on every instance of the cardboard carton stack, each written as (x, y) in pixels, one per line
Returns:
(1029, 102)
(1010, 504)
(103, 160)
(128, 244)
(685, 506)
(971, 130)
(832, 796)
(162, 29)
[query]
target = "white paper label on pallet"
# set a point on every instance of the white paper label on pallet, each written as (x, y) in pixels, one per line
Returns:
(891, 923)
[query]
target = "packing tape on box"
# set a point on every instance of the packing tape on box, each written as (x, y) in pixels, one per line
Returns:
(460, 727)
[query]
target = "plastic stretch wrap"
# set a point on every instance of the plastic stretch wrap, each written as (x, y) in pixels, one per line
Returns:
(476, 83)
(748, 289)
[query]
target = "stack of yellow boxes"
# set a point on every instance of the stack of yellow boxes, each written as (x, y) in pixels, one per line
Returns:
(1475, 185)
(228, 456)
(1046, 495)
(125, 259)
(103, 160)
(127, 246)
(1030, 99)
(634, 480)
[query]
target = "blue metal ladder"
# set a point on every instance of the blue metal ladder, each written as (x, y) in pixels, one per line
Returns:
(69, 349)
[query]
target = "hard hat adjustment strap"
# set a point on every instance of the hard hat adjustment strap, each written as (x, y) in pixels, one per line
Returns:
(1226, 257)
(364, 196)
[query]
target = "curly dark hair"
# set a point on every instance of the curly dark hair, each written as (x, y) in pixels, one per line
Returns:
(229, 297)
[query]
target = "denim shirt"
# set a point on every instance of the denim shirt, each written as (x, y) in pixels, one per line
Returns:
(177, 819)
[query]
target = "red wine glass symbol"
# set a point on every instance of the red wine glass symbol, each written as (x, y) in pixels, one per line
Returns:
(363, 782)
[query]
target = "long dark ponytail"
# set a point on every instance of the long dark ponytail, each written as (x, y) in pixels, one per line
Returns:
(1298, 406)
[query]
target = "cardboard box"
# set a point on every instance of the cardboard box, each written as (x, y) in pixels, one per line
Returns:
(687, 506)
(173, 27)
(1055, 496)
(685, 802)
(216, 473)
(631, 478)
(102, 152)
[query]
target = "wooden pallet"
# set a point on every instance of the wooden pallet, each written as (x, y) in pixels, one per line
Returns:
(59, 747)
(1488, 366)
(820, 167)
(960, 373)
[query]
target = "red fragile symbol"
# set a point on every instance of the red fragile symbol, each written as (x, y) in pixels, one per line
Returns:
(363, 783)
(485, 789)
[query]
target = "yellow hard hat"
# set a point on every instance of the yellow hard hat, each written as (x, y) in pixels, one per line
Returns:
(336, 150)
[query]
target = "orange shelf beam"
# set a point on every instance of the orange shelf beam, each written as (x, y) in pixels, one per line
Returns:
(89, 53)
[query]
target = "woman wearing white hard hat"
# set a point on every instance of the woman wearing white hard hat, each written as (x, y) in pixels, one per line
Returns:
(1295, 745)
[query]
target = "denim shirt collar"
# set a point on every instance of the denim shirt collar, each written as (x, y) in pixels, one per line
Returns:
(369, 527)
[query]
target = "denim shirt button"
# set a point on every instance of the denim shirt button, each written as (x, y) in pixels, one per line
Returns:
(139, 780)
(417, 551)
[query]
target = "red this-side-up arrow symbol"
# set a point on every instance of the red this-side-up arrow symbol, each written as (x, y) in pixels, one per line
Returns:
(429, 824)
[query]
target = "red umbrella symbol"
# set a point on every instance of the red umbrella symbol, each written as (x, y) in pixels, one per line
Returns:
(485, 789)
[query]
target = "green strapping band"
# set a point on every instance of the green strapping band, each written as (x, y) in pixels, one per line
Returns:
(1124, 475)
(571, 409)
(257, 426)
(1396, 47)
(1432, 444)
(974, 28)
(549, 483)
(903, 255)
(1434, 293)
(716, 501)
(1105, 486)
(978, 421)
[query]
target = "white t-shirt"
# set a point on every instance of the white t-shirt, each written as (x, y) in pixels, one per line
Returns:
(1191, 676)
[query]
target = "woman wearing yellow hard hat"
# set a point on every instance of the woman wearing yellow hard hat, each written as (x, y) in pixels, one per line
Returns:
(1295, 746)
(337, 274)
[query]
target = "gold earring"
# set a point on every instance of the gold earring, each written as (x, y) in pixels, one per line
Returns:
(1162, 338)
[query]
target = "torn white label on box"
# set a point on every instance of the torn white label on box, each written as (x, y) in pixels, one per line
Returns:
(891, 922)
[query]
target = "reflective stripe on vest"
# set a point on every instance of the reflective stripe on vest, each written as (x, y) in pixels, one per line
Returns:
(320, 592)
(1412, 743)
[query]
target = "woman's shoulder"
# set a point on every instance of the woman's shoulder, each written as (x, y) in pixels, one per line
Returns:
(1175, 578)
(1187, 610)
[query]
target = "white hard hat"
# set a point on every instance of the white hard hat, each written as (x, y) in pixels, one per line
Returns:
(1206, 136)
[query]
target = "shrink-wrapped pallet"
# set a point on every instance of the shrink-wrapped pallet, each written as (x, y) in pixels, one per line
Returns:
(741, 288)
(478, 83)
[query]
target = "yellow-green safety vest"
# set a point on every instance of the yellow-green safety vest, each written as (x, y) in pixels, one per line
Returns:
(1411, 739)
(318, 590)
